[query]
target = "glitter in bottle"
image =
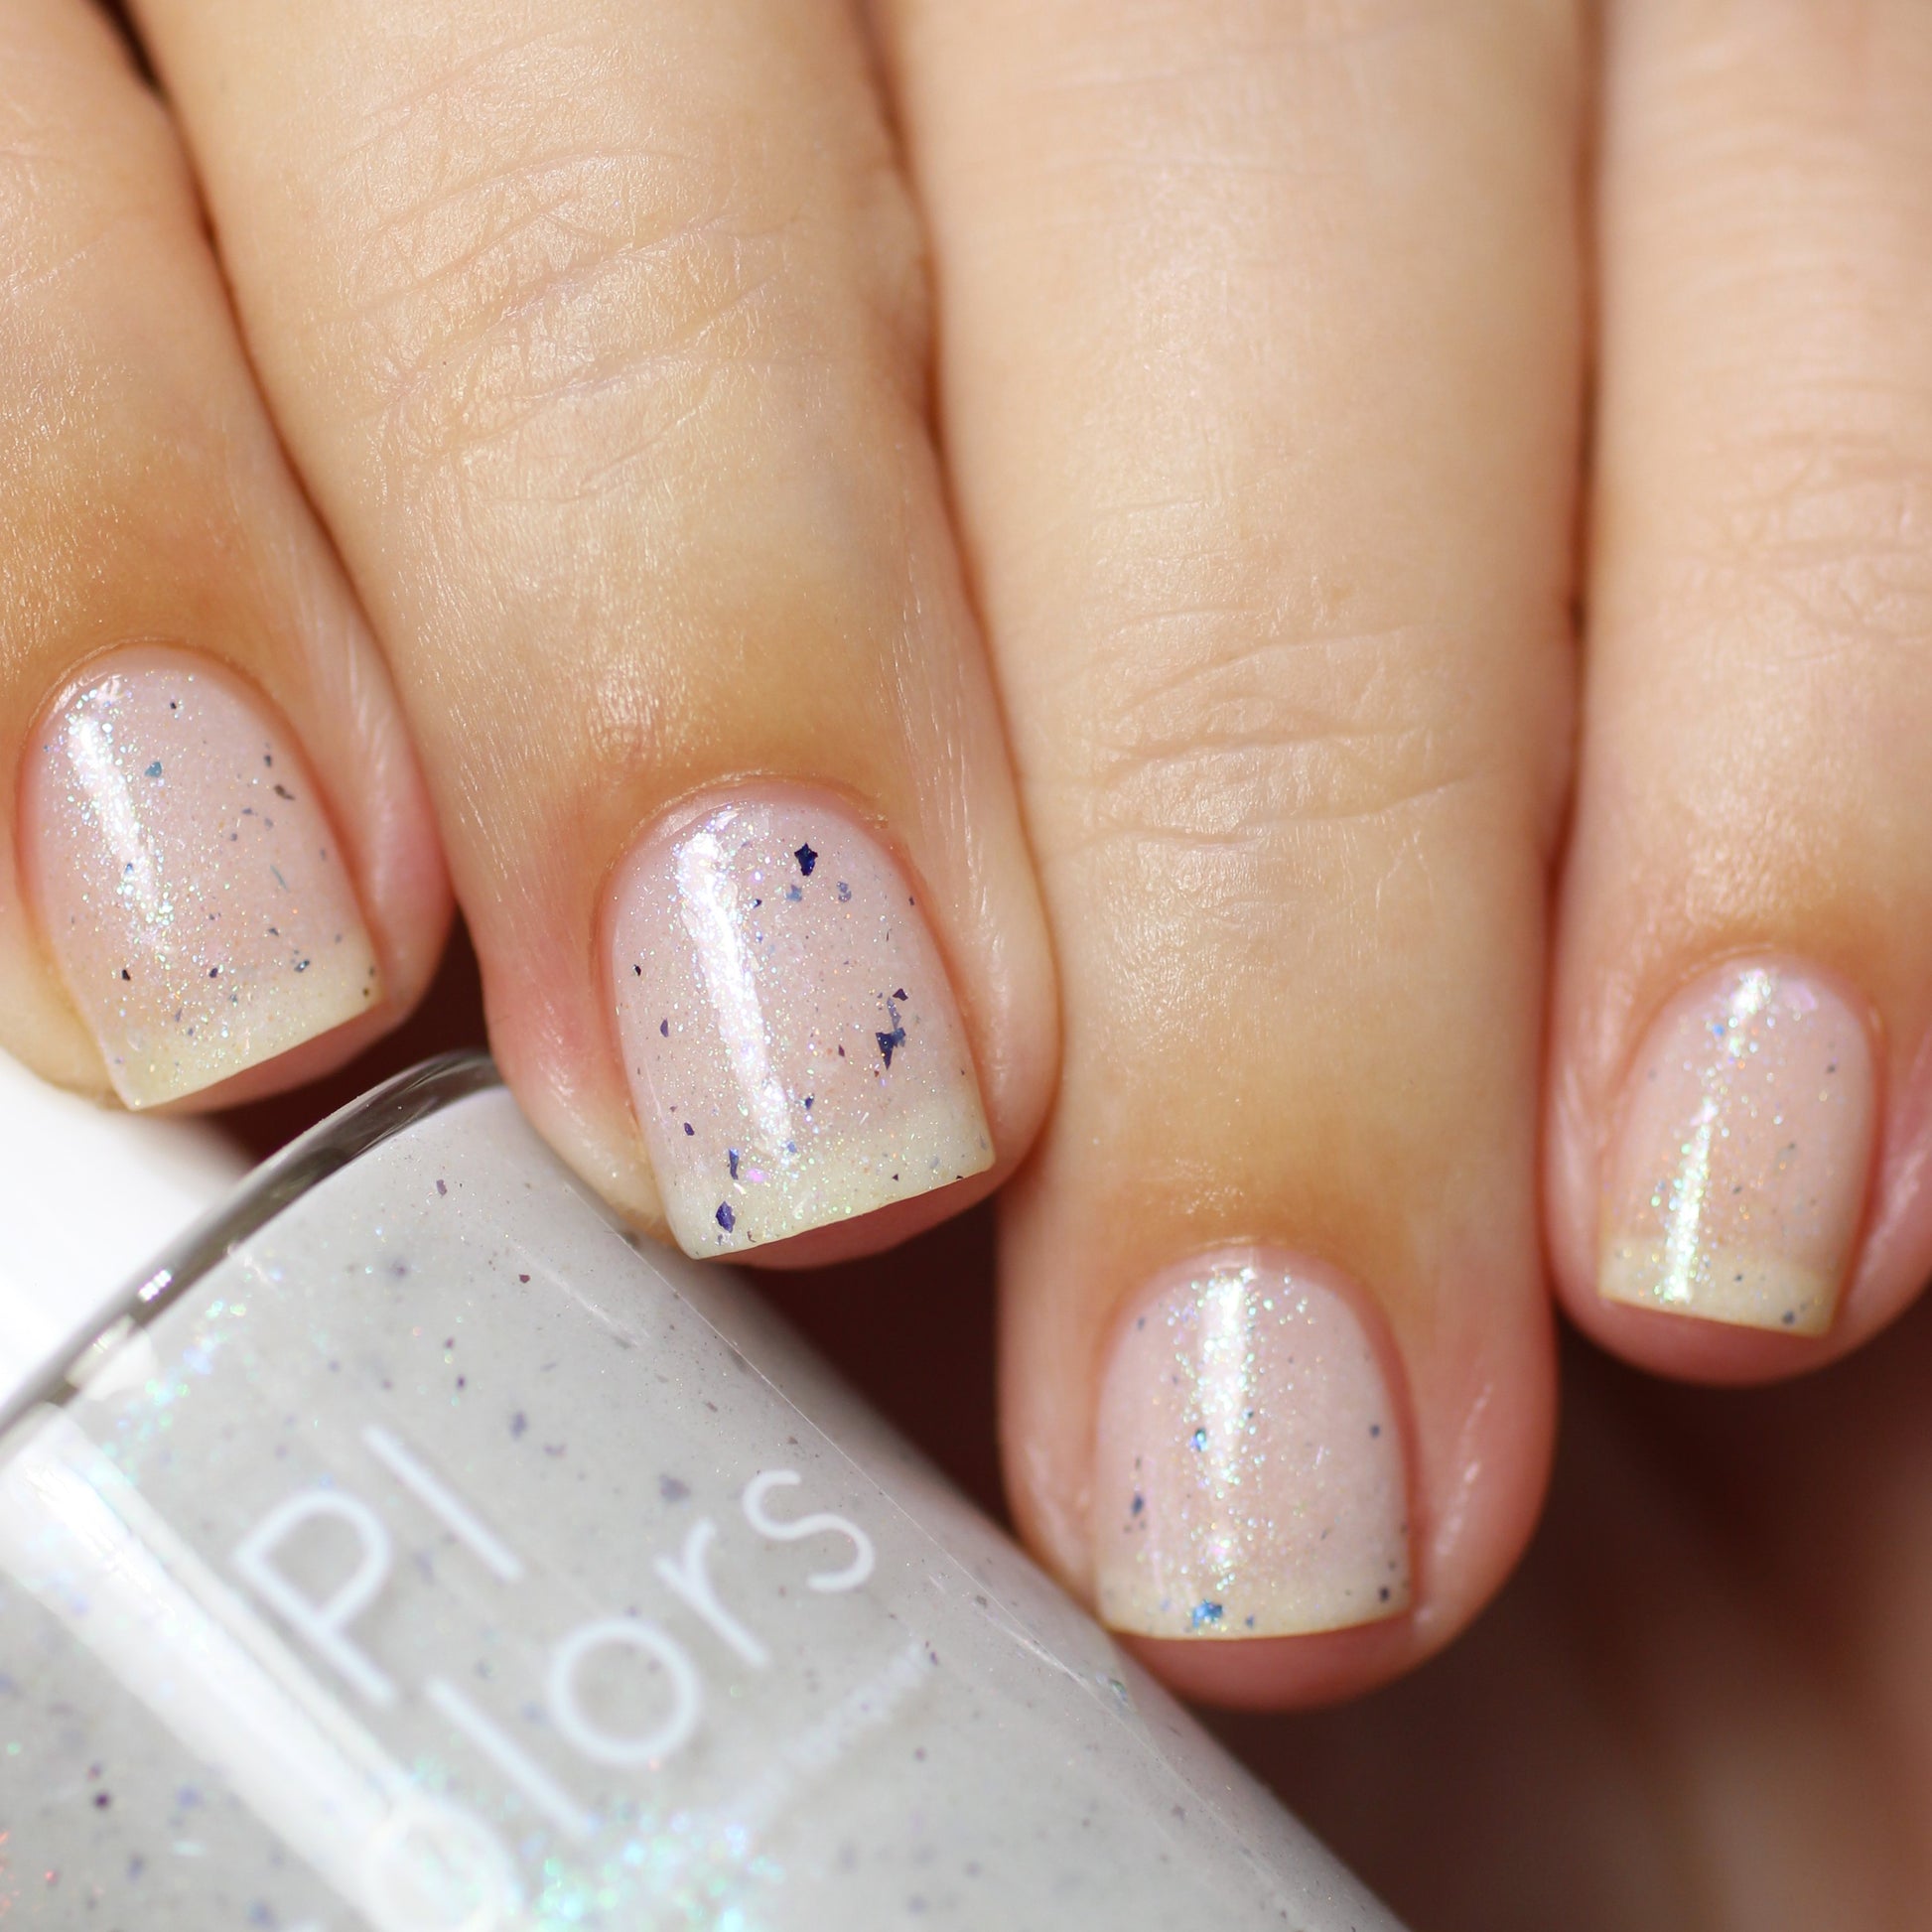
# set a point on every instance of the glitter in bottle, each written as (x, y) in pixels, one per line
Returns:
(794, 1051)
(1248, 1475)
(1742, 1156)
(191, 886)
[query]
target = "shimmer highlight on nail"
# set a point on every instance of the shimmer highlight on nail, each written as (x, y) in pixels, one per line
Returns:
(794, 1050)
(1739, 1172)
(187, 878)
(1248, 1473)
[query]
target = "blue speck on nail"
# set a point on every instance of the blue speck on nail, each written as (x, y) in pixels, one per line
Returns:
(154, 771)
(1198, 1439)
(806, 857)
(726, 1218)
(1202, 1615)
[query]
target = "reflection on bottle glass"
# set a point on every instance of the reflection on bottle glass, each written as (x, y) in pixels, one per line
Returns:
(421, 1554)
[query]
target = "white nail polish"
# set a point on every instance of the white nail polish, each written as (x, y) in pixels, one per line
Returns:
(416, 1551)
(187, 878)
(793, 1047)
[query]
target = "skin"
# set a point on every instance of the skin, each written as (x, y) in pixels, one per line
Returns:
(1154, 493)
(145, 498)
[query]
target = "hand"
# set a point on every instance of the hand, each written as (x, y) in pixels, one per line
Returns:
(1699, 1703)
(1193, 661)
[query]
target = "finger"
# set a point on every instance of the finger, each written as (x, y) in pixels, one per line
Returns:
(1260, 376)
(599, 338)
(218, 872)
(1741, 1100)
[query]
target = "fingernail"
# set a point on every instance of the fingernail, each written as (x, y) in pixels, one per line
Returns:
(191, 887)
(1738, 1171)
(794, 1050)
(1248, 1473)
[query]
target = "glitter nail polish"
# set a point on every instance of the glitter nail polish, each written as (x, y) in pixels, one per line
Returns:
(415, 1550)
(187, 877)
(793, 1047)
(1248, 1468)
(1737, 1173)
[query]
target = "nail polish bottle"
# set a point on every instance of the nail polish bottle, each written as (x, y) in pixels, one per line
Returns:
(414, 1549)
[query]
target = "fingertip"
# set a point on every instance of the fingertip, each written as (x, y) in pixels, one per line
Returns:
(1300, 1673)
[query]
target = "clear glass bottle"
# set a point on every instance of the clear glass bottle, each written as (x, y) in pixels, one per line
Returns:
(418, 1551)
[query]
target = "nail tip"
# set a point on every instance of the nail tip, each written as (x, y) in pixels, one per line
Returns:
(1324, 1617)
(272, 1032)
(857, 1187)
(1766, 1292)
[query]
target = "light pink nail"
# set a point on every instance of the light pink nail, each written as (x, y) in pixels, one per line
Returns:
(794, 1050)
(1738, 1176)
(1248, 1472)
(188, 882)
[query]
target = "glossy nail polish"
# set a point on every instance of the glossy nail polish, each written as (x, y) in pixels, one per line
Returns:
(1248, 1469)
(794, 1050)
(188, 880)
(1739, 1169)
(417, 1550)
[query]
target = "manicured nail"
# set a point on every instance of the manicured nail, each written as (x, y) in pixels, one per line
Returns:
(794, 1050)
(1739, 1172)
(191, 887)
(1248, 1472)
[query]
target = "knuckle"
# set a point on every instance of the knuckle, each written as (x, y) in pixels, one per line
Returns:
(1824, 541)
(1263, 728)
(574, 295)
(1262, 762)
(1230, 690)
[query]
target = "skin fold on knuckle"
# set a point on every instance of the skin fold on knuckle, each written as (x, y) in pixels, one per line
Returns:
(558, 283)
(1254, 802)
(1796, 607)
(1265, 724)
